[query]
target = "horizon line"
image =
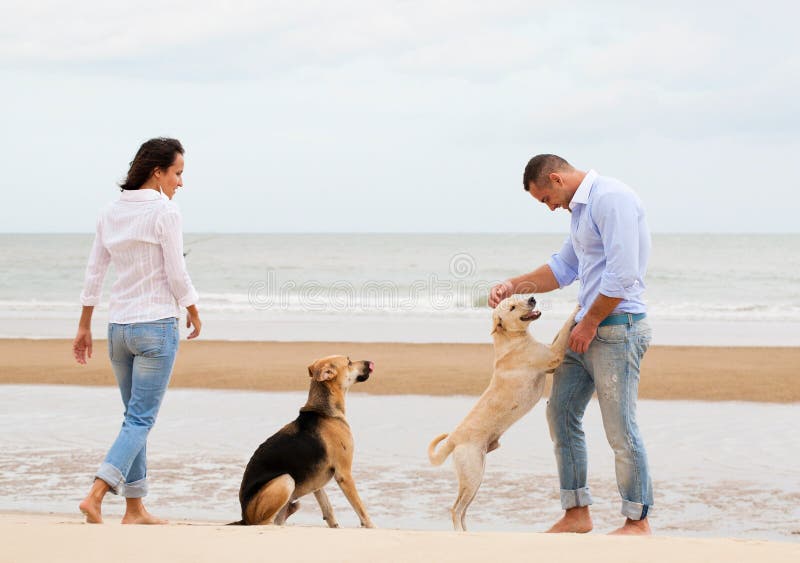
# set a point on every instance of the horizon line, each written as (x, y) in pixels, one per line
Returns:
(10, 233)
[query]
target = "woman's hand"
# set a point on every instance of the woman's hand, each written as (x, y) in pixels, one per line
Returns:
(83, 340)
(82, 345)
(193, 319)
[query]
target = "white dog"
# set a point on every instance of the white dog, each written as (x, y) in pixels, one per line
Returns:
(520, 366)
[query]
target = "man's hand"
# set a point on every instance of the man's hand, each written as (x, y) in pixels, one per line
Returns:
(82, 345)
(500, 292)
(582, 335)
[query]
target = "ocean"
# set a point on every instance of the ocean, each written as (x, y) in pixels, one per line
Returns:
(701, 289)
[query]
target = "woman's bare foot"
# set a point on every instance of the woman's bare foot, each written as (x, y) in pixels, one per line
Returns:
(633, 528)
(91, 510)
(575, 520)
(136, 513)
(91, 506)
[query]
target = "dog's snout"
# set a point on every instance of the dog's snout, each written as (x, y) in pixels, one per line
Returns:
(366, 371)
(532, 301)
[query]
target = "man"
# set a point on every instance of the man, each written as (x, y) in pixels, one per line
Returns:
(607, 249)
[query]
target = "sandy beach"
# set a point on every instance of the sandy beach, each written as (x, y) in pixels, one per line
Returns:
(698, 512)
(668, 372)
(197, 542)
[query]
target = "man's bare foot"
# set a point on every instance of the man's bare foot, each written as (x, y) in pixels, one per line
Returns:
(90, 507)
(142, 517)
(575, 520)
(633, 528)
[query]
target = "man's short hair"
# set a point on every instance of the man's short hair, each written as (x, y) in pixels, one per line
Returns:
(540, 167)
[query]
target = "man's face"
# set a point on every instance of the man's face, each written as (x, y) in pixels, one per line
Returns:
(554, 194)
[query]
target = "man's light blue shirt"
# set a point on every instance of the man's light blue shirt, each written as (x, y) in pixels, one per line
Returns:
(608, 246)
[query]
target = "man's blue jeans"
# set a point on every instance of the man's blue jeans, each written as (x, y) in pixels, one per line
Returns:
(611, 366)
(142, 355)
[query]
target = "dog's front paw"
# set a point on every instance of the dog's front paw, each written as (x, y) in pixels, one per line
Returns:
(368, 524)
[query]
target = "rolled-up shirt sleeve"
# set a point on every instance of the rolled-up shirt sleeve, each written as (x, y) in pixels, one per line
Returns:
(617, 218)
(169, 229)
(99, 259)
(564, 264)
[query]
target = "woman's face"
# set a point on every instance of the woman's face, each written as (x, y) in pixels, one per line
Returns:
(172, 178)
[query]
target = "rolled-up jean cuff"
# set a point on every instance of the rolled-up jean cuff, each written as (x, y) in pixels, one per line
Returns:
(634, 510)
(137, 489)
(112, 476)
(576, 497)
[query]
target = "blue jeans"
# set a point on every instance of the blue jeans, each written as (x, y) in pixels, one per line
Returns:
(610, 366)
(142, 356)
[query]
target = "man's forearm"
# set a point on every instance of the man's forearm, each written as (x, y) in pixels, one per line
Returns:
(602, 306)
(541, 280)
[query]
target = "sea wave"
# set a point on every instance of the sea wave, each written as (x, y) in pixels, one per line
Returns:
(237, 305)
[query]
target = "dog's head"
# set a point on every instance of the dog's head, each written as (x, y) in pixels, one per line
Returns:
(340, 371)
(514, 313)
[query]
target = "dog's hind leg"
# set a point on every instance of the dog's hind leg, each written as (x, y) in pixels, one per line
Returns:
(268, 502)
(469, 462)
(327, 509)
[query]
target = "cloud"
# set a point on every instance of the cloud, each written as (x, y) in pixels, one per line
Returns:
(379, 106)
(92, 30)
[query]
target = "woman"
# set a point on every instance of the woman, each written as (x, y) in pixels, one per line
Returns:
(141, 235)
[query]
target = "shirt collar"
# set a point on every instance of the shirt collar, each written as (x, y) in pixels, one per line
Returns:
(582, 193)
(140, 195)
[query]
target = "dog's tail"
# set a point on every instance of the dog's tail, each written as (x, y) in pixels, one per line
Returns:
(437, 458)
(237, 523)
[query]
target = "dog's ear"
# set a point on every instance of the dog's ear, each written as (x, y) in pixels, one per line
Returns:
(322, 373)
(497, 324)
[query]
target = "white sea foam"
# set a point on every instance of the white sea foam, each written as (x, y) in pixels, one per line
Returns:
(719, 469)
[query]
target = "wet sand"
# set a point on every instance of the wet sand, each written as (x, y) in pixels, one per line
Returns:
(668, 372)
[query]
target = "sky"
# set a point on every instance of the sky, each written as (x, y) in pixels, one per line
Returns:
(314, 116)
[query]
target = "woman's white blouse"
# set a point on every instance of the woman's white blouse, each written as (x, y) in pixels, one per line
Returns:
(141, 235)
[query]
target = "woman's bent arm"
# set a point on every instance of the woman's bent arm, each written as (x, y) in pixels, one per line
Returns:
(169, 232)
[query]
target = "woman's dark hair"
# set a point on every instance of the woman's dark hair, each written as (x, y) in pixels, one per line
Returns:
(155, 153)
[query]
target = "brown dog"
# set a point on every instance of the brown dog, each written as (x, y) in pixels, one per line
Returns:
(304, 455)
